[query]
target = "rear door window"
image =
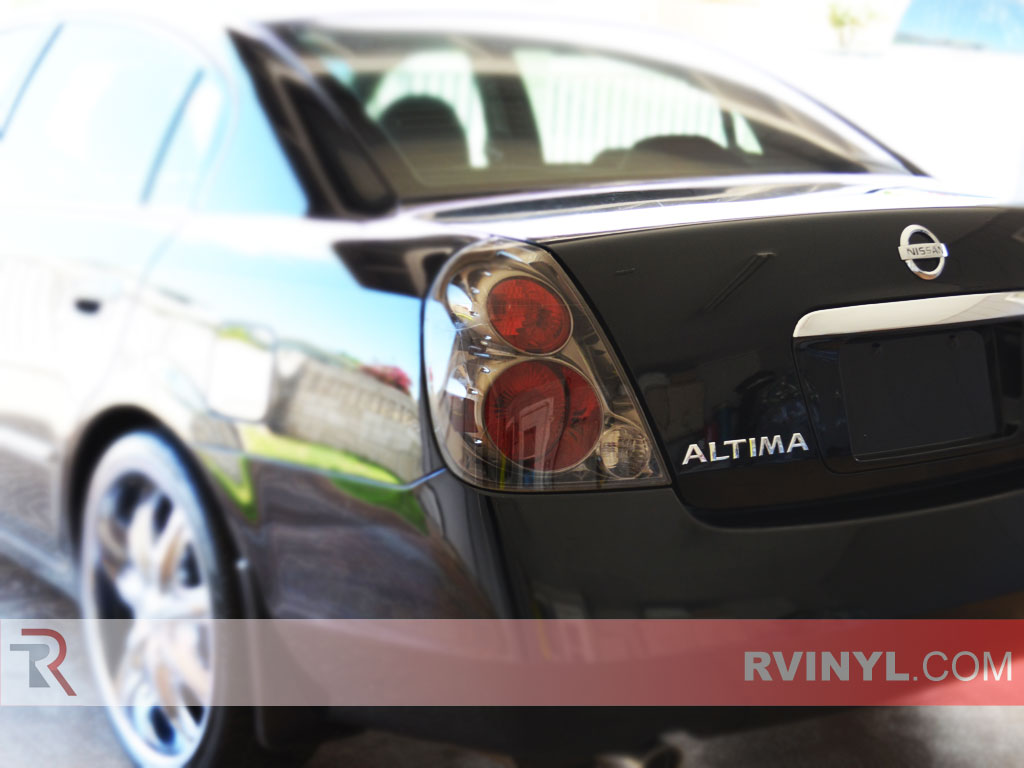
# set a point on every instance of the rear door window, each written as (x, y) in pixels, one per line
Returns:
(20, 49)
(188, 152)
(96, 115)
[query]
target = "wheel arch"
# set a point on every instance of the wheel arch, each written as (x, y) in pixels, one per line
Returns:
(99, 433)
(274, 727)
(93, 439)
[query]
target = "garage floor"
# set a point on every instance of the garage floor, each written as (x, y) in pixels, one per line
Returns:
(935, 736)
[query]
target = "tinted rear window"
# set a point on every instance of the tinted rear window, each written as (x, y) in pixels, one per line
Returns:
(454, 114)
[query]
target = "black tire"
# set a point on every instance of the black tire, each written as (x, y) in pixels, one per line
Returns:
(147, 463)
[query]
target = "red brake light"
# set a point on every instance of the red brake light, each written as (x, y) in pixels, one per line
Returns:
(543, 415)
(529, 316)
(525, 392)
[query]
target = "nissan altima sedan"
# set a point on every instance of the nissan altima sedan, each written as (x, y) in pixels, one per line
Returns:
(397, 317)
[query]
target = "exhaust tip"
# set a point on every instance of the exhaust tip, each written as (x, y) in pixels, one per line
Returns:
(668, 754)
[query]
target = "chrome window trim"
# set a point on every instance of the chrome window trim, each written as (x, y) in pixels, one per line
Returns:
(914, 313)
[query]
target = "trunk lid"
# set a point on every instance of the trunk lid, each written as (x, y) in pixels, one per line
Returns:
(704, 318)
(702, 289)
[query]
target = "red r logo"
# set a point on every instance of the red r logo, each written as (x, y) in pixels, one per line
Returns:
(38, 652)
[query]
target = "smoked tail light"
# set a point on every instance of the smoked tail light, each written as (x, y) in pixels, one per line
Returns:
(525, 391)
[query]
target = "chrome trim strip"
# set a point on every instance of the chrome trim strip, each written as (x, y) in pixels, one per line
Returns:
(915, 313)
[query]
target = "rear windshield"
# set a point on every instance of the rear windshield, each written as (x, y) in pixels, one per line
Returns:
(446, 114)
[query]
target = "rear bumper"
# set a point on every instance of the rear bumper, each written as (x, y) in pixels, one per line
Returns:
(546, 737)
(642, 554)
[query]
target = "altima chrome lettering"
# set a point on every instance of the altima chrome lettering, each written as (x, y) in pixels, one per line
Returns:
(746, 447)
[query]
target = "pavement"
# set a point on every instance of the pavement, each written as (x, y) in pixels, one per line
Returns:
(82, 736)
(933, 736)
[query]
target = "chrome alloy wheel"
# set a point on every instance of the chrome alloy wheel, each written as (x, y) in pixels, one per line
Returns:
(141, 564)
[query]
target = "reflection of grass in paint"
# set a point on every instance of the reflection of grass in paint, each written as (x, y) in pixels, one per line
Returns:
(239, 490)
(402, 502)
(262, 443)
(240, 333)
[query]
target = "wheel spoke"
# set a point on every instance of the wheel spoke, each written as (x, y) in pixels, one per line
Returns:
(190, 674)
(184, 724)
(180, 680)
(140, 716)
(129, 682)
(169, 547)
(186, 603)
(141, 534)
(113, 541)
(130, 677)
(129, 585)
(114, 561)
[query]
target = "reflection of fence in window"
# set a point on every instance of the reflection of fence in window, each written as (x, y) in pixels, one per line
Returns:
(744, 135)
(445, 75)
(585, 104)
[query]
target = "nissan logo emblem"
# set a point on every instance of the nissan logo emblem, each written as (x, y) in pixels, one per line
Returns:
(923, 251)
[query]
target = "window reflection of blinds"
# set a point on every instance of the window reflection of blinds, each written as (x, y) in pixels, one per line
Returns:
(445, 75)
(745, 138)
(582, 104)
(586, 104)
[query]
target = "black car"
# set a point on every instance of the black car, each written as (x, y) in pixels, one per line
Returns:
(465, 318)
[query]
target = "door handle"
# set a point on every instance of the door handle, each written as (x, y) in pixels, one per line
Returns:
(90, 295)
(88, 306)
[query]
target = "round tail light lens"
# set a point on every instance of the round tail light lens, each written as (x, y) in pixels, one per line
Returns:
(543, 415)
(528, 315)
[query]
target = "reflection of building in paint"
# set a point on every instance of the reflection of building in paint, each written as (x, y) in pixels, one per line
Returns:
(330, 403)
(243, 376)
(391, 375)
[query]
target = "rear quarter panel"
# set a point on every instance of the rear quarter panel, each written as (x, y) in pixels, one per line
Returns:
(297, 389)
